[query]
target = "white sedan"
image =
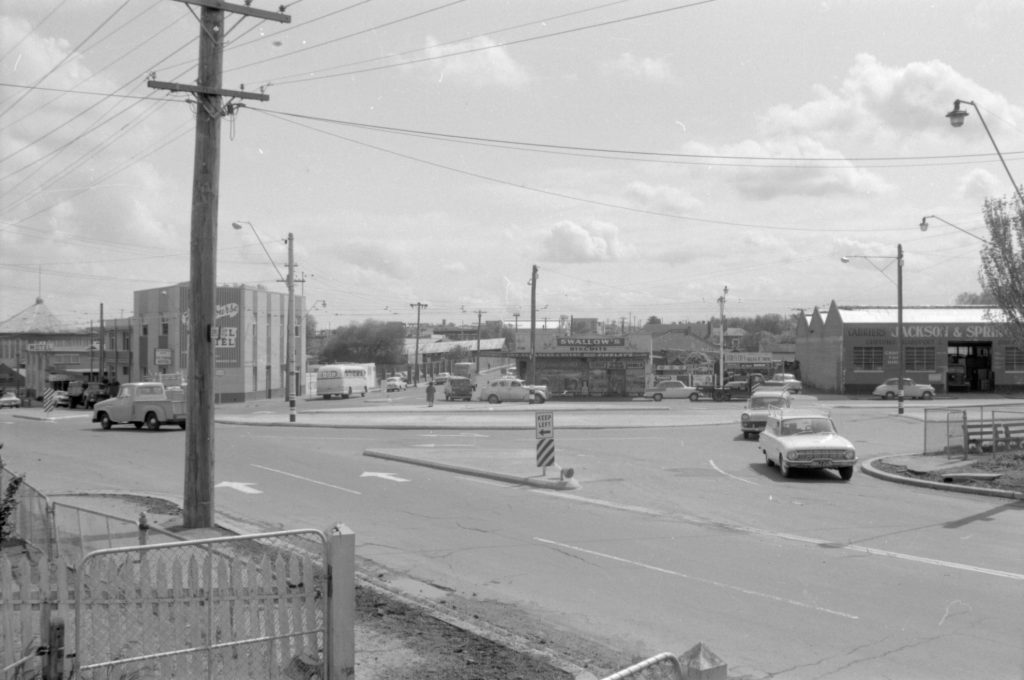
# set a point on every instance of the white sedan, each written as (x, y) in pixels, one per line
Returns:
(806, 439)
(911, 389)
(672, 389)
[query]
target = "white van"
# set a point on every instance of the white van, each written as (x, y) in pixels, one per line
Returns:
(342, 380)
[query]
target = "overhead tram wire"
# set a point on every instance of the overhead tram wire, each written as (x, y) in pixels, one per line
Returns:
(503, 44)
(633, 155)
(73, 51)
(556, 194)
(446, 43)
(36, 27)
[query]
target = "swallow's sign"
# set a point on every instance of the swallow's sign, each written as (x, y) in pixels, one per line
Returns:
(545, 425)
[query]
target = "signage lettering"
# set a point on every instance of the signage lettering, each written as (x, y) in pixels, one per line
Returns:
(591, 343)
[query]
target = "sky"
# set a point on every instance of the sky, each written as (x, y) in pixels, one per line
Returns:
(644, 155)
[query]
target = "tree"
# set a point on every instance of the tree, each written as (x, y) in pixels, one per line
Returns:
(653, 321)
(1002, 261)
(372, 341)
(982, 298)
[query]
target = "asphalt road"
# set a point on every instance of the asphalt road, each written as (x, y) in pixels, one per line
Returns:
(678, 533)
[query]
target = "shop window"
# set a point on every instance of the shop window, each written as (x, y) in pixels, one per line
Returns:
(867, 358)
(1014, 359)
(919, 358)
(145, 329)
(164, 328)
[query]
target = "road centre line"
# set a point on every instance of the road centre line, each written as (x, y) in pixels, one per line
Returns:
(719, 584)
(606, 504)
(307, 479)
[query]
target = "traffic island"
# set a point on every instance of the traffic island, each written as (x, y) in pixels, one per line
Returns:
(490, 465)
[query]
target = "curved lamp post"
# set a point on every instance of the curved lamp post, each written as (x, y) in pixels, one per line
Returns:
(899, 310)
(289, 334)
(956, 119)
(924, 226)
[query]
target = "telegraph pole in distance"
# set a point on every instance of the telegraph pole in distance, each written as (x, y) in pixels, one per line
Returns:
(198, 496)
(533, 326)
(416, 357)
(479, 315)
(721, 338)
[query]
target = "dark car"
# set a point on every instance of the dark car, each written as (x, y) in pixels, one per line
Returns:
(458, 387)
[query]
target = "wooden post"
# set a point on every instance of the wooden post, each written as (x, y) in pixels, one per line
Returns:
(341, 600)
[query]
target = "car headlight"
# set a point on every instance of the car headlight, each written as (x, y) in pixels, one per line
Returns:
(790, 455)
(744, 418)
(851, 454)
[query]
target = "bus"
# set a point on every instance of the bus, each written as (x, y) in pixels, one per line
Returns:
(464, 368)
(343, 380)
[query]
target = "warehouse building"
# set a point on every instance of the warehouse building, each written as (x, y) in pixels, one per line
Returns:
(963, 349)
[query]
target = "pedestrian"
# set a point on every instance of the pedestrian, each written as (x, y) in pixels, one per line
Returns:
(430, 393)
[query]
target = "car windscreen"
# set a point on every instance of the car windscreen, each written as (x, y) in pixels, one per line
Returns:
(766, 402)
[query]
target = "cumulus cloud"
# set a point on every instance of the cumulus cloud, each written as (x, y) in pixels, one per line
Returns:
(661, 198)
(596, 242)
(645, 68)
(477, 62)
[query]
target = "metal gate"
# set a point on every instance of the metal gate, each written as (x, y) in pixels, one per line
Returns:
(250, 606)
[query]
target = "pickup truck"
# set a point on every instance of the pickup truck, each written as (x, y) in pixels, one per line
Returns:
(144, 403)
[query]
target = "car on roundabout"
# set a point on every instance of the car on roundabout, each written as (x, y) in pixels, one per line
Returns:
(458, 388)
(512, 389)
(806, 439)
(672, 389)
(394, 384)
(10, 400)
(755, 411)
(911, 389)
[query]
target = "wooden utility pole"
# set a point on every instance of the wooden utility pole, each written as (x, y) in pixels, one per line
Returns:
(198, 494)
(416, 357)
(479, 315)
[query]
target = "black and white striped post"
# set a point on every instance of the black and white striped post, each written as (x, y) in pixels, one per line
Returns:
(545, 421)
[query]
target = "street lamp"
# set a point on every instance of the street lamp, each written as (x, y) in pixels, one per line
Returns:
(956, 119)
(924, 227)
(289, 280)
(899, 310)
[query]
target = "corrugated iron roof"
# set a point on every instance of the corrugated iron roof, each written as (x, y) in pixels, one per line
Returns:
(922, 314)
(35, 319)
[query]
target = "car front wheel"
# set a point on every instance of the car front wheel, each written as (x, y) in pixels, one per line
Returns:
(783, 468)
(889, 395)
(493, 399)
(846, 473)
(105, 421)
(695, 396)
(657, 397)
(152, 422)
(928, 395)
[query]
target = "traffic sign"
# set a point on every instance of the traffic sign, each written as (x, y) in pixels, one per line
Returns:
(545, 425)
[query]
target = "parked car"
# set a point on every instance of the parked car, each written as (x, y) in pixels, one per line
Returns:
(785, 381)
(441, 378)
(458, 387)
(10, 400)
(805, 439)
(672, 389)
(513, 389)
(61, 399)
(911, 389)
(394, 384)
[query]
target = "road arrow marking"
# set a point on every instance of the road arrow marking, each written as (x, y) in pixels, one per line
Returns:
(244, 487)
(384, 475)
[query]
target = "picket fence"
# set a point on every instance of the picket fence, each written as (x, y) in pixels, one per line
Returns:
(161, 612)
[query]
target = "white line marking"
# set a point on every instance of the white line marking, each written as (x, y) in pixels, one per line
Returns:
(723, 472)
(1013, 576)
(719, 584)
(606, 504)
(307, 479)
